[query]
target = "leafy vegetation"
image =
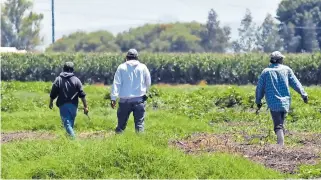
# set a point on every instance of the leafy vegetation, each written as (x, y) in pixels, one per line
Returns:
(164, 68)
(20, 27)
(300, 25)
(173, 112)
(99, 41)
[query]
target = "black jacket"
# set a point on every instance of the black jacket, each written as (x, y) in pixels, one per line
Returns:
(68, 88)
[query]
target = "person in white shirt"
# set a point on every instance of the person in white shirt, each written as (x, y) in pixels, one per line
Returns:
(131, 83)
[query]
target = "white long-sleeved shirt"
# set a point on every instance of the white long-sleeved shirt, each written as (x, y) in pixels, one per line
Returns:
(132, 79)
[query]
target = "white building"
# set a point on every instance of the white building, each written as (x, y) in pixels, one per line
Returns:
(11, 50)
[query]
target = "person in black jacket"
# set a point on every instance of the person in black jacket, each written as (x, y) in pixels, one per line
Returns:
(68, 88)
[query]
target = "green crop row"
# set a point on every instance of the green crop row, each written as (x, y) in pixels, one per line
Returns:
(164, 68)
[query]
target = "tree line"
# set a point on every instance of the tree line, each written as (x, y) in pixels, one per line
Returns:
(295, 29)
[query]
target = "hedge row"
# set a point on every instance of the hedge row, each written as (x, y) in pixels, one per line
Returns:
(164, 68)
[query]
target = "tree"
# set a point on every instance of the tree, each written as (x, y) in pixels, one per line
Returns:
(215, 38)
(99, 41)
(246, 42)
(267, 36)
(304, 17)
(140, 38)
(184, 42)
(182, 37)
(20, 27)
(291, 42)
(171, 37)
(309, 35)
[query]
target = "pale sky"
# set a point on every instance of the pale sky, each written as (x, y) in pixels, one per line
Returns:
(119, 15)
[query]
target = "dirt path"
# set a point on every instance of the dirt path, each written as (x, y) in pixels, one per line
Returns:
(32, 135)
(285, 159)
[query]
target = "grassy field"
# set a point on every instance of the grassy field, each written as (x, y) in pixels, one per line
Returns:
(178, 120)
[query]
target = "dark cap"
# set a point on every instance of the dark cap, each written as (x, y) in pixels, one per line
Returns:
(69, 66)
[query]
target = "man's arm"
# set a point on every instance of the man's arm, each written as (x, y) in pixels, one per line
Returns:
(54, 92)
(259, 93)
(51, 103)
(296, 85)
(84, 102)
(147, 78)
(82, 96)
(115, 88)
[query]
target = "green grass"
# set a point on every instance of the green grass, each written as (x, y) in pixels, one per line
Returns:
(127, 156)
(177, 113)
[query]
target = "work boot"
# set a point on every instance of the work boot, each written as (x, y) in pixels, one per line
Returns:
(280, 137)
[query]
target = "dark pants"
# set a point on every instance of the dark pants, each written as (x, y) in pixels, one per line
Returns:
(278, 120)
(123, 112)
(68, 114)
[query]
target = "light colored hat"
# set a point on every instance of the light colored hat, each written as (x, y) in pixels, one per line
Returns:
(277, 55)
(69, 65)
(132, 53)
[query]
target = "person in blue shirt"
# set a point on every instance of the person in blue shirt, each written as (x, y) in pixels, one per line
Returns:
(274, 83)
(131, 83)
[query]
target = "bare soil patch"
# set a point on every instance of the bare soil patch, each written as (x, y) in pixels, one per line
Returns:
(94, 135)
(306, 139)
(24, 135)
(284, 159)
(32, 135)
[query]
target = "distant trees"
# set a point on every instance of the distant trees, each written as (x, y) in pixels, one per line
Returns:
(215, 38)
(297, 28)
(172, 37)
(267, 36)
(246, 42)
(20, 27)
(99, 41)
(300, 26)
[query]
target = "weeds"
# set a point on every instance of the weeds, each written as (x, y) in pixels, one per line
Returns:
(172, 113)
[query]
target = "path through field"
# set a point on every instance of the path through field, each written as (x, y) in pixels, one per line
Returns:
(31, 135)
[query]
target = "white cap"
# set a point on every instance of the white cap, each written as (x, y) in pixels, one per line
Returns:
(132, 53)
(277, 55)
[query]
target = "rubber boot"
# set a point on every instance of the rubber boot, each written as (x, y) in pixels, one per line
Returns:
(280, 137)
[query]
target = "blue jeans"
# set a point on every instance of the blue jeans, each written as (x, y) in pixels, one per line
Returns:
(124, 110)
(278, 120)
(68, 114)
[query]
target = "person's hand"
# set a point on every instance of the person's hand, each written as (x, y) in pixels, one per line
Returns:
(51, 105)
(259, 105)
(305, 99)
(113, 104)
(86, 110)
(145, 97)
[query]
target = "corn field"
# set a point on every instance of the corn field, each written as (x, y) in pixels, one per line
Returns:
(164, 68)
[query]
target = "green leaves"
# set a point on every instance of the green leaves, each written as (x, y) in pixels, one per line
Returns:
(300, 20)
(99, 41)
(18, 29)
(164, 68)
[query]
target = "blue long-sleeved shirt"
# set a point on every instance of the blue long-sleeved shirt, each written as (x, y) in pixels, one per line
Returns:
(274, 84)
(132, 79)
